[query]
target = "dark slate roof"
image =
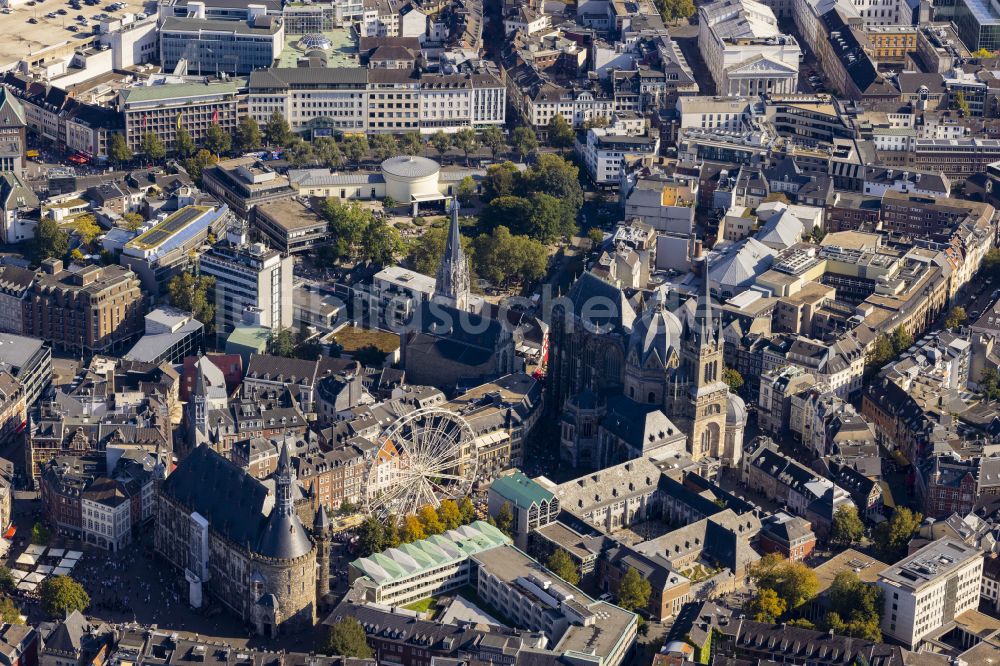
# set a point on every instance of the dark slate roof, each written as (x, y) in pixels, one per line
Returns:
(200, 483)
(284, 370)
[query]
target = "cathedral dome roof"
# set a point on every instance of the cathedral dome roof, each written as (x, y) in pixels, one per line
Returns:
(736, 411)
(657, 330)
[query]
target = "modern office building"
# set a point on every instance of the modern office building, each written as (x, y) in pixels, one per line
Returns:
(163, 251)
(977, 22)
(252, 282)
(29, 361)
(425, 568)
(196, 45)
(533, 505)
(930, 588)
(171, 336)
(355, 99)
(243, 183)
(289, 225)
(517, 588)
(167, 107)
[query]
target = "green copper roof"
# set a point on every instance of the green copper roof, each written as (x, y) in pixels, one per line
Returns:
(412, 559)
(520, 490)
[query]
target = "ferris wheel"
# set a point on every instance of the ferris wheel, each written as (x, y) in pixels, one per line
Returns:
(422, 458)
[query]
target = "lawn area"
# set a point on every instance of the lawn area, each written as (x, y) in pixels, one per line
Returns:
(353, 338)
(422, 606)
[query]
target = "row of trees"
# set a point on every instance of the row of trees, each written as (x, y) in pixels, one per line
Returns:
(375, 536)
(888, 347)
(541, 202)
(499, 256)
(357, 234)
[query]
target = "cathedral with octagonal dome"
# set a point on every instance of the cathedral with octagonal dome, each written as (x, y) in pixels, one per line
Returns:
(637, 386)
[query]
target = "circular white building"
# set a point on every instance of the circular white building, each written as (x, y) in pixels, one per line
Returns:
(412, 179)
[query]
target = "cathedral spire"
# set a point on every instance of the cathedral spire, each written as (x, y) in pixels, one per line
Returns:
(703, 314)
(284, 477)
(451, 285)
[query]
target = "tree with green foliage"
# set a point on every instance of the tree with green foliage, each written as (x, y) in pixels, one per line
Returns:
(371, 538)
(248, 136)
(413, 530)
(962, 104)
(467, 510)
(901, 340)
(794, 582)
(802, 623)
(847, 527)
(524, 140)
(449, 514)
(40, 534)
(989, 384)
(328, 152)
(425, 253)
(282, 343)
(118, 152)
(85, 227)
(492, 137)
(152, 147)
(817, 234)
(550, 218)
(355, 148)
(560, 133)
(50, 241)
(512, 212)
(132, 221)
(300, 153)
(199, 162)
(184, 145)
(956, 317)
(277, 132)
(383, 146)
(194, 294)
(466, 141)
(380, 242)
(596, 237)
(505, 518)
(348, 223)
(501, 181)
(855, 607)
(6, 580)
(411, 143)
(562, 565)
(466, 191)
(391, 537)
(766, 606)
(633, 591)
(673, 10)
(504, 258)
(982, 53)
(347, 638)
(882, 352)
(429, 520)
(991, 264)
(892, 536)
(441, 142)
(61, 595)
(9, 612)
(217, 140)
(555, 176)
(732, 378)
